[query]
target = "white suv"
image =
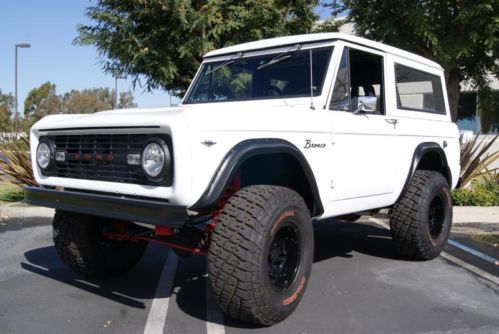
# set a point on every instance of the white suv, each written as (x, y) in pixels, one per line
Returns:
(270, 135)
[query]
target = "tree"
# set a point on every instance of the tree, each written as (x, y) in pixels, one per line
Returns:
(6, 106)
(163, 40)
(125, 100)
(93, 100)
(41, 101)
(461, 35)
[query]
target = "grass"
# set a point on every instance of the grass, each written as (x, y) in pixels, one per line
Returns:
(9, 194)
(491, 239)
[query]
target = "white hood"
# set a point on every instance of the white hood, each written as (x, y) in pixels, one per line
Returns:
(113, 118)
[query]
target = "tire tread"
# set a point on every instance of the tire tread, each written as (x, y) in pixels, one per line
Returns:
(235, 251)
(407, 224)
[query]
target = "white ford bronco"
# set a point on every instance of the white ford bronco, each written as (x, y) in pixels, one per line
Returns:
(270, 135)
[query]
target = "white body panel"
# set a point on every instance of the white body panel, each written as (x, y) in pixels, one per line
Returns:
(363, 165)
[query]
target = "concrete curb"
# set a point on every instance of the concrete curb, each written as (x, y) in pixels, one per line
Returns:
(9, 211)
(476, 214)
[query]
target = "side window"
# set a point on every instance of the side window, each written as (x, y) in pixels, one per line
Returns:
(359, 83)
(418, 90)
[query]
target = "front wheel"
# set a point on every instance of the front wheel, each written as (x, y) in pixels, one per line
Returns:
(261, 254)
(80, 242)
(421, 221)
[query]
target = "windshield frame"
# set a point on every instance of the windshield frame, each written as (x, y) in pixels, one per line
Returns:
(275, 51)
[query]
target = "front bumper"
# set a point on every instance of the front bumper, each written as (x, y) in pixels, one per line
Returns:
(154, 212)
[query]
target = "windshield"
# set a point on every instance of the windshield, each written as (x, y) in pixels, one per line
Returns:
(261, 77)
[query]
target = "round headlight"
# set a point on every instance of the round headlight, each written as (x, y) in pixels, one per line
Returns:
(43, 155)
(154, 159)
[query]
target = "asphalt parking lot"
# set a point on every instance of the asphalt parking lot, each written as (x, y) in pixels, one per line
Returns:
(358, 285)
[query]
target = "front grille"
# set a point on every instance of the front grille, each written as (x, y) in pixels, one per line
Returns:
(102, 157)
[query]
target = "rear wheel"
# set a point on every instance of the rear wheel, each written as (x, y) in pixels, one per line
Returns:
(80, 242)
(261, 254)
(421, 221)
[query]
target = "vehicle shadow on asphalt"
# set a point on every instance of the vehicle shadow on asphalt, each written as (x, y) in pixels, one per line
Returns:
(138, 284)
(332, 239)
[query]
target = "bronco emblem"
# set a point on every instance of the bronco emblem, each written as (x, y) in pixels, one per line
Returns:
(309, 144)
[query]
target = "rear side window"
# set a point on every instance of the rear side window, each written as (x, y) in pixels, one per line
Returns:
(418, 90)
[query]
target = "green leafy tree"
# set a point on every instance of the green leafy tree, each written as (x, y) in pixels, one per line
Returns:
(126, 100)
(461, 35)
(92, 100)
(41, 101)
(163, 41)
(6, 107)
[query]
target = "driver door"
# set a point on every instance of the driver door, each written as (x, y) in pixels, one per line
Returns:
(364, 142)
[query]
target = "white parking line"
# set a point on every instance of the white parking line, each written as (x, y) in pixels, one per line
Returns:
(156, 319)
(214, 316)
(451, 258)
(470, 250)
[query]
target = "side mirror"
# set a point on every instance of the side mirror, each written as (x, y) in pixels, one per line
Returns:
(365, 104)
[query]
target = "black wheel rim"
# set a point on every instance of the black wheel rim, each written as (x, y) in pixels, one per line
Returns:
(436, 216)
(284, 257)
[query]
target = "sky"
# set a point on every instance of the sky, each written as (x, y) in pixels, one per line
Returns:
(50, 27)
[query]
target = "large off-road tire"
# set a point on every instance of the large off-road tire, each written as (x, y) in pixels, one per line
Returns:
(261, 254)
(80, 243)
(421, 221)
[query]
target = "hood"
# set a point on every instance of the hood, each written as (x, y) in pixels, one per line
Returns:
(111, 118)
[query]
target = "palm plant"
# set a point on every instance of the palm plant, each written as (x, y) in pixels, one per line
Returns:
(475, 160)
(15, 163)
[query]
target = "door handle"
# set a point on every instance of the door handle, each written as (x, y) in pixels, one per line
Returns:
(392, 121)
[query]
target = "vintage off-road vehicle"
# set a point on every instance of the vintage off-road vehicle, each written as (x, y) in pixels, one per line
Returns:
(270, 135)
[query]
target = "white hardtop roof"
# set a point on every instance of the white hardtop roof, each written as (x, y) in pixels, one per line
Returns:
(318, 37)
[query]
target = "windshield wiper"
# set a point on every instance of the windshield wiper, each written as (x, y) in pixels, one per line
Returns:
(225, 63)
(280, 57)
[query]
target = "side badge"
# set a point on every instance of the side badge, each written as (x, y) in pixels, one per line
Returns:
(309, 144)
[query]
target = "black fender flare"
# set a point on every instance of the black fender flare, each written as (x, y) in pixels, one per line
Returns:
(418, 155)
(242, 152)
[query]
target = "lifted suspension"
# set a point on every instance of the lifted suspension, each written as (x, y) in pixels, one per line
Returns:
(187, 240)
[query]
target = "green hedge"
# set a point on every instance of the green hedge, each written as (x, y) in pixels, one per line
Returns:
(477, 195)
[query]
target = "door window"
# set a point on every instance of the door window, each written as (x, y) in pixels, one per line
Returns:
(359, 83)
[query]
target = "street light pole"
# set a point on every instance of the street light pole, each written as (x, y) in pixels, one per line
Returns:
(116, 90)
(16, 115)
